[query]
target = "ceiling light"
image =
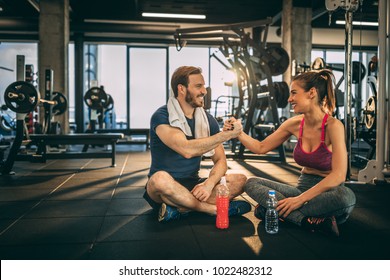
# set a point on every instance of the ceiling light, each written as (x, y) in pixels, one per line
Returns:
(364, 23)
(161, 15)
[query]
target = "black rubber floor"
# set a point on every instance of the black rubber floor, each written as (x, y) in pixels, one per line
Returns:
(85, 209)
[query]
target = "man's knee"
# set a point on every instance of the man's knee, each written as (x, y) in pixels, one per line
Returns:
(160, 182)
(241, 180)
(236, 183)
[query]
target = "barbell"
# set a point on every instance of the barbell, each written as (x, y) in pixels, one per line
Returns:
(23, 97)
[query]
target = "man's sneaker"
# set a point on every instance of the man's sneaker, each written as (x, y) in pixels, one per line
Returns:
(238, 207)
(259, 212)
(326, 225)
(168, 213)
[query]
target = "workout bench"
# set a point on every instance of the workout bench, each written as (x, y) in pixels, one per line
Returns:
(43, 140)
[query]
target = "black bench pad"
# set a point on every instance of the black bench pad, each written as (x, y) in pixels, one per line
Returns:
(42, 140)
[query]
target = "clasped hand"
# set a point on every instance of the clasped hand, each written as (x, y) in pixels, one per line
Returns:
(234, 125)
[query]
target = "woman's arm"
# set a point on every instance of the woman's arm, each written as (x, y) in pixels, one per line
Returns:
(271, 142)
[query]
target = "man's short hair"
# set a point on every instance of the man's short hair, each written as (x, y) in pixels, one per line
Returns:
(180, 76)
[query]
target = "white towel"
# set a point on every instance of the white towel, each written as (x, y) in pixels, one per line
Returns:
(178, 119)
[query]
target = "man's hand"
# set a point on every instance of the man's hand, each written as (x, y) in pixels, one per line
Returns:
(202, 191)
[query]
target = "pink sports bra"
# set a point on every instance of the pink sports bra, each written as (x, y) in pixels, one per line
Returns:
(321, 158)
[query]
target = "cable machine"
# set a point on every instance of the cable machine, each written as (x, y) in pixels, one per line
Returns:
(375, 169)
(252, 62)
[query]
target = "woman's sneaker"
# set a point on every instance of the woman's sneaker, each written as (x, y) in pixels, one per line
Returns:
(239, 207)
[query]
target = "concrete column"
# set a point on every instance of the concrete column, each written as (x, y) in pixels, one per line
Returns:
(296, 35)
(53, 48)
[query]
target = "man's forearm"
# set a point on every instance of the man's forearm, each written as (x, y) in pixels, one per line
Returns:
(219, 169)
(197, 147)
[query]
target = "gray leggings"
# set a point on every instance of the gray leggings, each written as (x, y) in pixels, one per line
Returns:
(338, 201)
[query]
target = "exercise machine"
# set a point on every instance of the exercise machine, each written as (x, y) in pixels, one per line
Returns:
(22, 97)
(99, 104)
(255, 64)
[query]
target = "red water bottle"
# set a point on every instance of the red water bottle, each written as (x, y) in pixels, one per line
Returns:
(222, 221)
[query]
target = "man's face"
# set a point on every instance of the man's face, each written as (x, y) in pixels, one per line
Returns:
(195, 91)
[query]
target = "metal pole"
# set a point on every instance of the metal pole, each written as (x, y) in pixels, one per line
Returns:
(387, 90)
(381, 113)
(375, 169)
(348, 86)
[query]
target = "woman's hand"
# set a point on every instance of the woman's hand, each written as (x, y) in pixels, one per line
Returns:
(287, 205)
(233, 125)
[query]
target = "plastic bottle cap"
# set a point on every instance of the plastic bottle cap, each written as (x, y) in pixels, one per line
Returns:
(272, 192)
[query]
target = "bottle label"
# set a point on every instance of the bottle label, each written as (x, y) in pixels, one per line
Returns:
(222, 220)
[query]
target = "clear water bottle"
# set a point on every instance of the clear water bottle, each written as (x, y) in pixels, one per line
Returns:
(222, 220)
(271, 216)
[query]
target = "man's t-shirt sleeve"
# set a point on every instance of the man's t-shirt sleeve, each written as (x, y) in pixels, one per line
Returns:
(159, 117)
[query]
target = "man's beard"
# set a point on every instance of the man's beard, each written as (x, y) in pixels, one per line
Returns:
(192, 100)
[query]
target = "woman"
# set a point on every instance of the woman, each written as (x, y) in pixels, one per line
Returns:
(320, 201)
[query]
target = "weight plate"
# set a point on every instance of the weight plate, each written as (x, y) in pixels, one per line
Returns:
(109, 105)
(277, 60)
(62, 103)
(284, 92)
(370, 113)
(95, 98)
(318, 64)
(358, 72)
(21, 97)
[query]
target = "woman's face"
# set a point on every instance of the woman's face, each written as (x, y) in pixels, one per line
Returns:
(298, 98)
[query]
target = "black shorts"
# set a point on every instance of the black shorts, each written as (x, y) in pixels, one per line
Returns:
(189, 183)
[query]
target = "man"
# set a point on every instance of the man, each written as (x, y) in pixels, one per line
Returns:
(180, 133)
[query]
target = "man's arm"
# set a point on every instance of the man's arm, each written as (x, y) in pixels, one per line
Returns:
(175, 139)
(220, 165)
(203, 190)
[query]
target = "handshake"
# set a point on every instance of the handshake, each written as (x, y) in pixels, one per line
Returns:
(233, 125)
